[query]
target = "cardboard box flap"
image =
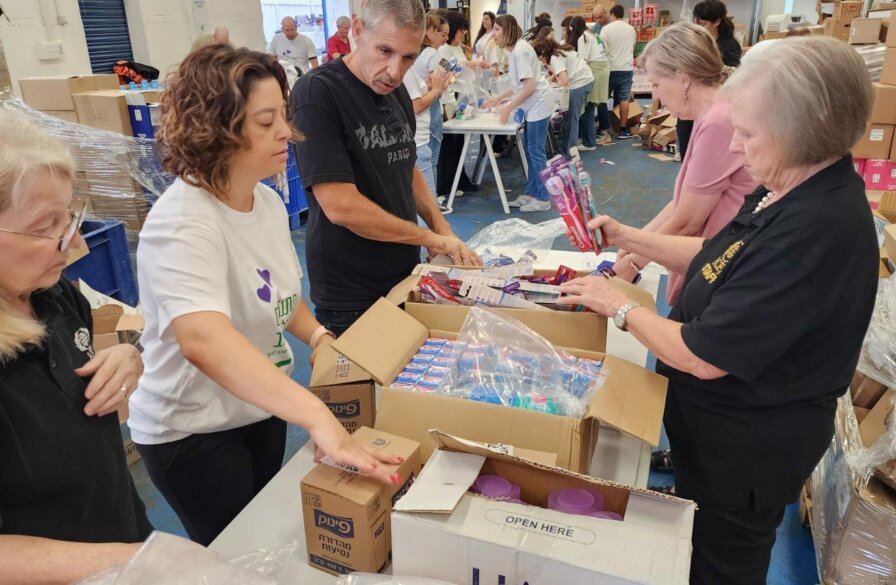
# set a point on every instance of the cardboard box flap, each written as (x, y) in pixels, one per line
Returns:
(401, 291)
(331, 367)
(355, 488)
(632, 400)
(105, 319)
(130, 322)
(493, 450)
(383, 357)
(442, 483)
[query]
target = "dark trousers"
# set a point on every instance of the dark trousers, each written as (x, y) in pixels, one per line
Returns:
(337, 322)
(209, 478)
(449, 158)
(732, 546)
(683, 135)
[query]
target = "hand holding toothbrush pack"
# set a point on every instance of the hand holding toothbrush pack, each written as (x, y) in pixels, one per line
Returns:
(569, 188)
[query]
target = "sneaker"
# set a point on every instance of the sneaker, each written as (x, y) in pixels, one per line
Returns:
(445, 210)
(583, 147)
(604, 139)
(441, 199)
(536, 205)
(624, 134)
(458, 193)
(520, 201)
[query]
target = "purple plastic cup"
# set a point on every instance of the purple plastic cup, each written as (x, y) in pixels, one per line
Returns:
(495, 487)
(575, 501)
(606, 515)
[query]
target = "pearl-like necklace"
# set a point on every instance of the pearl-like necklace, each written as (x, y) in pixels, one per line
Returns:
(764, 201)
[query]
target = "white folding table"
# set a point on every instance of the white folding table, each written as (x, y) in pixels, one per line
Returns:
(487, 125)
(275, 514)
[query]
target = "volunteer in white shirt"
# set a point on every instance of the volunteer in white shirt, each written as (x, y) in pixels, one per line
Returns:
(292, 46)
(620, 39)
(484, 36)
(572, 72)
(427, 63)
(220, 286)
(423, 95)
(533, 95)
(592, 49)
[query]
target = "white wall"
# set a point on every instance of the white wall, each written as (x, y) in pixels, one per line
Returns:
(32, 21)
(242, 17)
(161, 31)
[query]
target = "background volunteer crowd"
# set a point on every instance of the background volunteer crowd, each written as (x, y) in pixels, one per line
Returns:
(761, 340)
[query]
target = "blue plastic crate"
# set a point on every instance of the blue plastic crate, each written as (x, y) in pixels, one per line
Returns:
(107, 268)
(298, 202)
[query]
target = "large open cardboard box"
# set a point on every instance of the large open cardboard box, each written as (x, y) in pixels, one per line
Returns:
(385, 338)
(441, 531)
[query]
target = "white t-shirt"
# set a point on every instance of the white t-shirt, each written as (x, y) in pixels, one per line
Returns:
(576, 68)
(524, 64)
(196, 254)
(620, 39)
(417, 88)
(449, 52)
(481, 45)
(427, 62)
(298, 51)
(592, 48)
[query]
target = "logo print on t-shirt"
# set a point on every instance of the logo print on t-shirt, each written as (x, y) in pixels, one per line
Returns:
(82, 341)
(264, 293)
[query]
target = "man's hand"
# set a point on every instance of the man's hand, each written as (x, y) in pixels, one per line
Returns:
(452, 247)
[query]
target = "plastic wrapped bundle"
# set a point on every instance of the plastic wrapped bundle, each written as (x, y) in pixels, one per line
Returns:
(853, 514)
(874, 58)
(878, 357)
(498, 360)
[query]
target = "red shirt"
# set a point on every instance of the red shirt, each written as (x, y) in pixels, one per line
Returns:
(337, 45)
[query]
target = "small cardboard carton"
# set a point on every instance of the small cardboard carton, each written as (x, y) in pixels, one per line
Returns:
(54, 93)
(347, 516)
(635, 111)
(875, 143)
(848, 9)
(884, 111)
(113, 321)
(441, 531)
(385, 338)
(104, 109)
(890, 184)
(665, 137)
(839, 28)
(876, 173)
(864, 31)
(345, 388)
(891, 38)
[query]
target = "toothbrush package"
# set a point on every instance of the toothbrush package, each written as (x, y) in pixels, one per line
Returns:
(569, 187)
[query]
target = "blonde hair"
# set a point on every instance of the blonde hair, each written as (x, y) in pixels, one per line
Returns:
(688, 49)
(27, 154)
(814, 94)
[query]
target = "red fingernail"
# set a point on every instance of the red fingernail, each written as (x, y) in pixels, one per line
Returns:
(395, 479)
(400, 459)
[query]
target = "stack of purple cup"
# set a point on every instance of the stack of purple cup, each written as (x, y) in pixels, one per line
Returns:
(496, 488)
(581, 502)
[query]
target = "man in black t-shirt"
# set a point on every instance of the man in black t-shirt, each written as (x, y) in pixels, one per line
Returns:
(357, 163)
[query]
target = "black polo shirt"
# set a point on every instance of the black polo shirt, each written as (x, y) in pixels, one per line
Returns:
(780, 300)
(63, 474)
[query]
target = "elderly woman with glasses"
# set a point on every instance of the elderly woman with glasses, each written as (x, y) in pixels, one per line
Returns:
(768, 327)
(68, 507)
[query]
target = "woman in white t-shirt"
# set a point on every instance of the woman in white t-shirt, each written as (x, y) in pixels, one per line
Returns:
(532, 95)
(220, 286)
(592, 48)
(572, 72)
(484, 37)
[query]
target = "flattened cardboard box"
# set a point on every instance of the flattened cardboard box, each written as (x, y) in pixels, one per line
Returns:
(440, 531)
(385, 338)
(345, 388)
(348, 516)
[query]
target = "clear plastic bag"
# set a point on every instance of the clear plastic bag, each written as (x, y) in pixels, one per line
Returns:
(374, 579)
(518, 233)
(165, 559)
(499, 360)
(878, 357)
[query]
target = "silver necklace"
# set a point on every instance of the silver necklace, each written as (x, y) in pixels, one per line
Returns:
(764, 201)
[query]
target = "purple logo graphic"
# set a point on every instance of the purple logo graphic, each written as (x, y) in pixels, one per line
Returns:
(264, 293)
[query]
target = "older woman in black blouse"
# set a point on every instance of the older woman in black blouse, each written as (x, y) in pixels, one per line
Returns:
(68, 507)
(767, 330)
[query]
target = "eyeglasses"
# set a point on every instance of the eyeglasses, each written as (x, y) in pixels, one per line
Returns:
(76, 218)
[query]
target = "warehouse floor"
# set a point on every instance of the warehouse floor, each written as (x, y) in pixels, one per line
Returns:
(632, 190)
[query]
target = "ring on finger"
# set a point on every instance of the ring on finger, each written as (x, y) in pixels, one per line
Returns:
(124, 390)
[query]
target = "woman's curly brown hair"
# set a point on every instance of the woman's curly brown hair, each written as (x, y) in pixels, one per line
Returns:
(203, 111)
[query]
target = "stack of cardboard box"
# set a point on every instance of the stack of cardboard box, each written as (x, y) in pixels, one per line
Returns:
(54, 95)
(874, 155)
(586, 10)
(658, 133)
(848, 25)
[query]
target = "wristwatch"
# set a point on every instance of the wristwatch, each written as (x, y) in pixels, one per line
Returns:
(619, 318)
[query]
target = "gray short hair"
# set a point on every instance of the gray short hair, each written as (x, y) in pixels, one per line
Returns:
(405, 13)
(816, 96)
(343, 20)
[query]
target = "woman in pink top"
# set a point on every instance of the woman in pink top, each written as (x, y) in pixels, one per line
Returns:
(686, 72)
